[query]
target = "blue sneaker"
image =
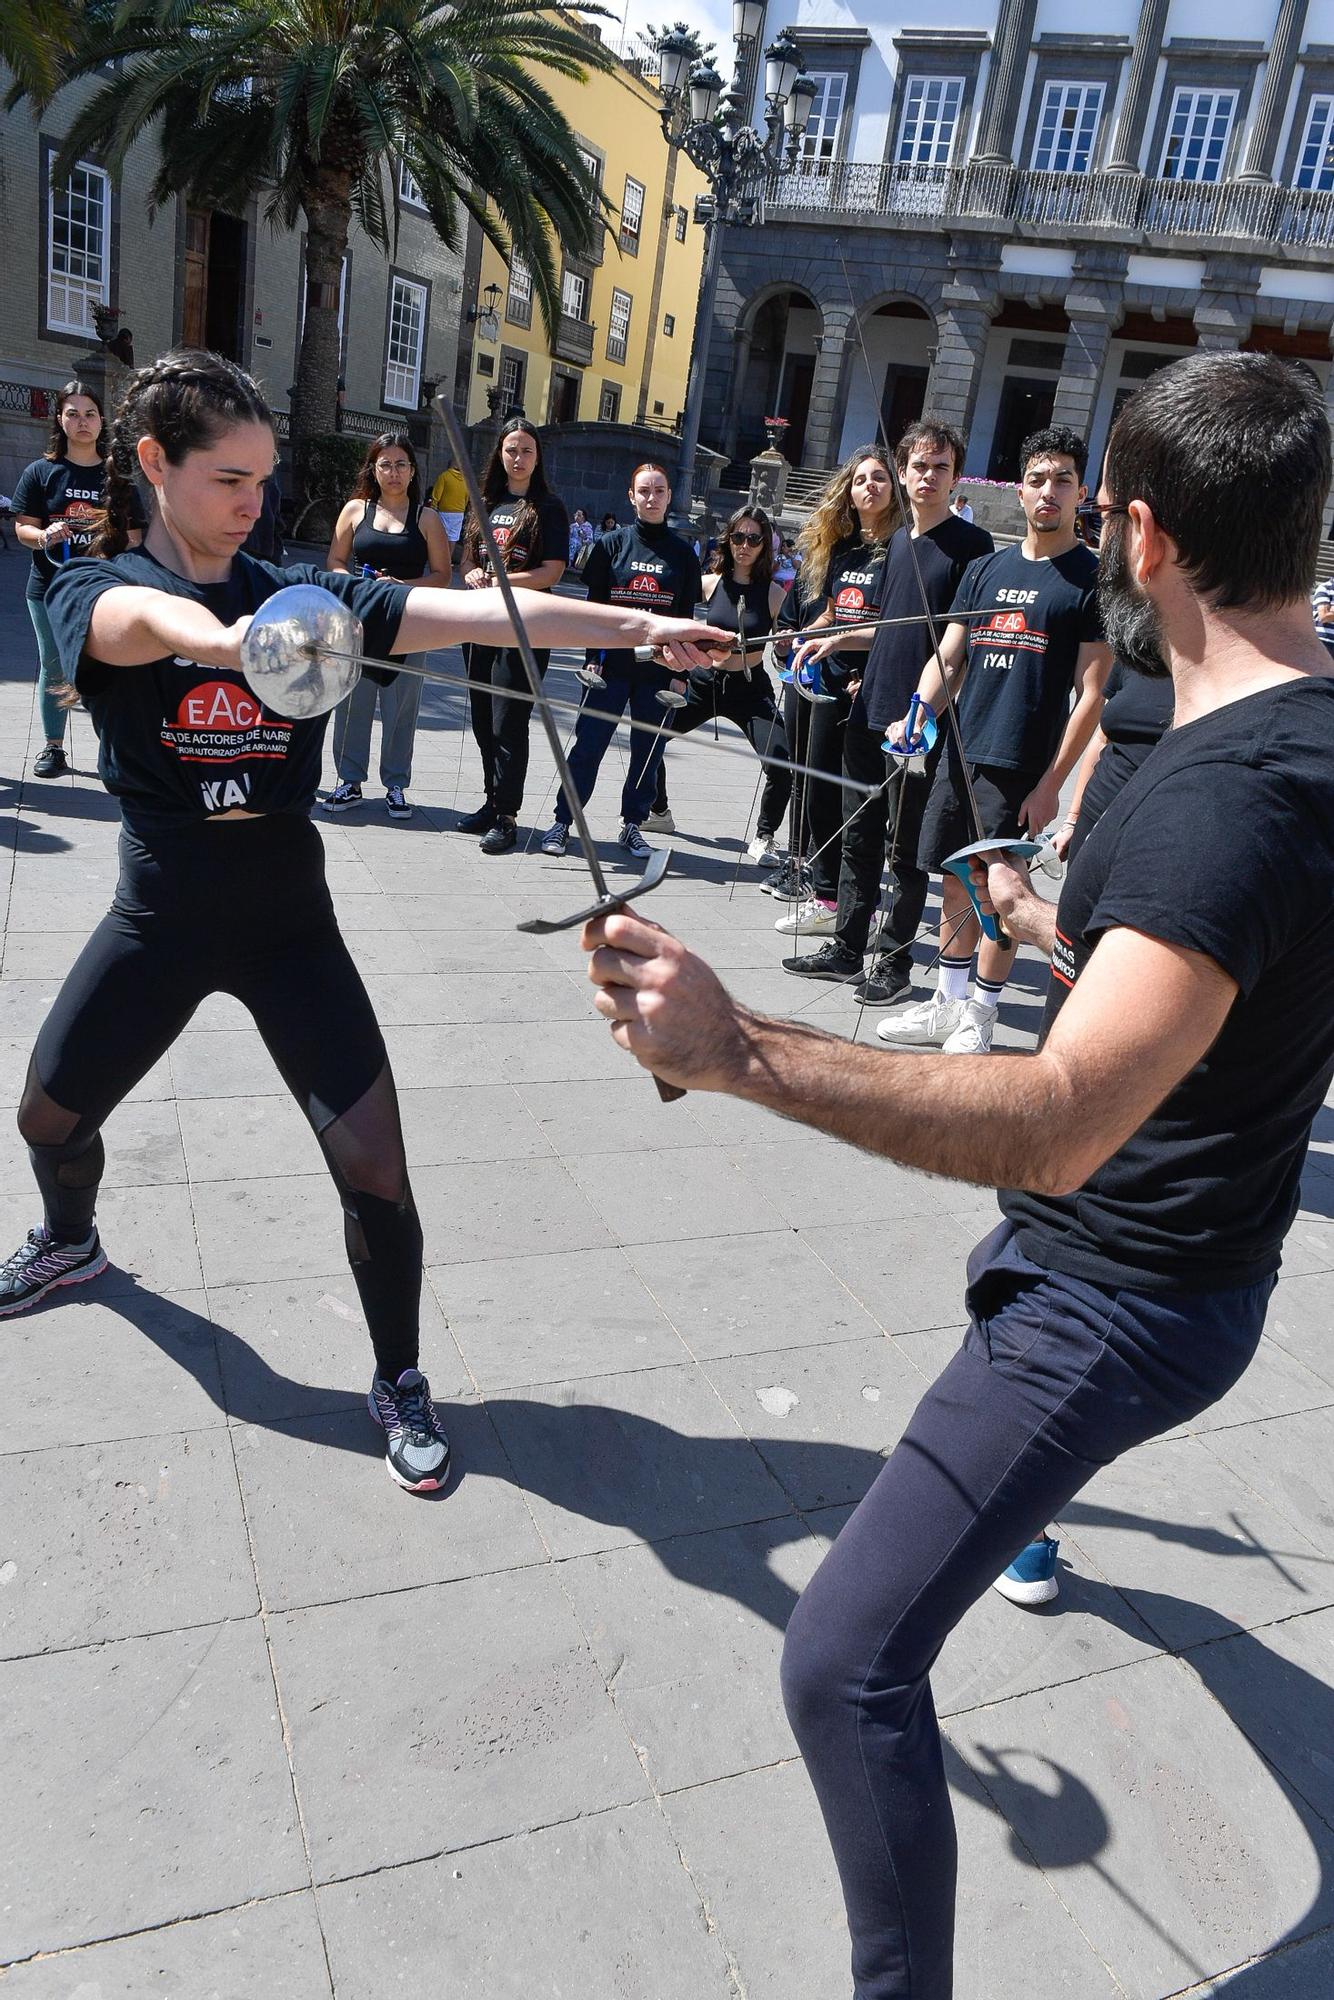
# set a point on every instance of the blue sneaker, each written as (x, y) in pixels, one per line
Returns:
(1031, 1577)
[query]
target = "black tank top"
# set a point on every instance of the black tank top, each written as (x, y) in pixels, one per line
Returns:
(403, 555)
(753, 598)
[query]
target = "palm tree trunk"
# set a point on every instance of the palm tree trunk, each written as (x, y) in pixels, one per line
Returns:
(328, 210)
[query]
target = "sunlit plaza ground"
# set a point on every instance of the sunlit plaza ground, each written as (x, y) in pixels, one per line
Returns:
(274, 1730)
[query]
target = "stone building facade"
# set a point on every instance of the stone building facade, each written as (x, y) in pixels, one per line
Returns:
(232, 283)
(1013, 223)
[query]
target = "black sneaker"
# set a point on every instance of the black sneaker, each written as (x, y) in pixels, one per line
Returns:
(50, 762)
(480, 821)
(42, 1265)
(887, 981)
(831, 961)
(790, 884)
(416, 1448)
(344, 798)
(503, 836)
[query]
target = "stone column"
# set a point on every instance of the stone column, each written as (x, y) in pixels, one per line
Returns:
(968, 304)
(1123, 157)
(1262, 142)
(1082, 366)
(1005, 80)
(741, 341)
(824, 420)
(1226, 308)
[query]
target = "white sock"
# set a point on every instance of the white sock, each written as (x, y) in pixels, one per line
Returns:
(952, 982)
(987, 992)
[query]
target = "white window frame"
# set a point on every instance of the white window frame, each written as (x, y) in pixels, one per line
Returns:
(573, 294)
(1191, 104)
(519, 292)
(1315, 160)
(632, 215)
(622, 306)
(408, 189)
(1067, 127)
(78, 275)
(408, 302)
(682, 220)
(610, 394)
(510, 378)
(819, 142)
(932, 106)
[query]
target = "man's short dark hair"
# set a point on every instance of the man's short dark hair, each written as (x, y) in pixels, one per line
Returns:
(931, 430)
(1057, 441)
(1232, 454)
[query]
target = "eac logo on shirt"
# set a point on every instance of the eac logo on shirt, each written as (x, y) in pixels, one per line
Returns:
(218, 705)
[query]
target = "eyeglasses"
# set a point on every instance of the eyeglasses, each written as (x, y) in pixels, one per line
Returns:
(746, 541)
(1098, 514)
(392, 465)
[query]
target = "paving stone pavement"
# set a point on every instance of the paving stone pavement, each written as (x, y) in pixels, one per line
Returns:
(275, 1731)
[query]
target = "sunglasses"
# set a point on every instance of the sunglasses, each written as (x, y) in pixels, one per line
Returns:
(746, 541)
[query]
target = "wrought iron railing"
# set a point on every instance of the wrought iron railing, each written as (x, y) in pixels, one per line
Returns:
(25, 399)
(1049, 202)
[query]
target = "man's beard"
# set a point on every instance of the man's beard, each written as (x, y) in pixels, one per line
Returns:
(1129, 619)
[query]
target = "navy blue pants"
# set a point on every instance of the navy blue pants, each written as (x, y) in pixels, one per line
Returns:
(1054, 1379)
(643, 757)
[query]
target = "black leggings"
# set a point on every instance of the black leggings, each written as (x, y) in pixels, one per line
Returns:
(499, 724)
(749, 703)
(243, 909)
(815, 732)
(869, 827)
(1055, 1378)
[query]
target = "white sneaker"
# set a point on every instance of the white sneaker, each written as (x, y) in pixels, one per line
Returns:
(658, 822)
(810, 919)
(927, 1024)
(972, 1037)
(765, 851)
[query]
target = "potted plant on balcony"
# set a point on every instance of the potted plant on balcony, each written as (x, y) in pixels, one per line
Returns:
(775, 429)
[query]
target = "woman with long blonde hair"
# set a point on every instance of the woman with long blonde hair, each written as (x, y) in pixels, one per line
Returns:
(843, 551)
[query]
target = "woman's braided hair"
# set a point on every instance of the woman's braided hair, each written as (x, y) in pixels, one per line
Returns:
(186, 399)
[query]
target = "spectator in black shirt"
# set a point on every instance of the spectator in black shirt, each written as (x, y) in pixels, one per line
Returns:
(1150, 1152)
(532, 532)
(887, 823)
(1038, 639)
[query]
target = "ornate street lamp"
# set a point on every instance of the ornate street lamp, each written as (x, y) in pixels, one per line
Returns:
(706, 121)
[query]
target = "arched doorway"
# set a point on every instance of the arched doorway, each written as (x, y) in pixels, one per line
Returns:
(778, 338)
(886, 384)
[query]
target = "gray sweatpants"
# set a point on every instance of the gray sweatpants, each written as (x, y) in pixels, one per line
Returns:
(399, 703)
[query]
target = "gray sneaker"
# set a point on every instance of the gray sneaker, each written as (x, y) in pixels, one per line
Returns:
(416, 1448)
(41, 1265)
(555, 840)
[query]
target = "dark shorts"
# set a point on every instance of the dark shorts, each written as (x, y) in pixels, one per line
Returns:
(947, 823)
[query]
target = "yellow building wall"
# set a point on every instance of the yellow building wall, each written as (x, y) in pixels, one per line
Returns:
(615, 116)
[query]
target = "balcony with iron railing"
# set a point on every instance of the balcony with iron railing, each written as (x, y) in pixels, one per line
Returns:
(1121, 206)
(572, 340)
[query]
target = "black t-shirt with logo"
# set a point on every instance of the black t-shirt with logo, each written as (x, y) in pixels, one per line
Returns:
(852, 593)
(1022, 657)
(52, 489)
(645, 567)
(898, 653)
(521, 549)
(1220, 843)
(177, 741)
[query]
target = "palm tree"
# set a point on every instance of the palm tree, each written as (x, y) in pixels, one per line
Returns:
(313, 105)
(34, 35)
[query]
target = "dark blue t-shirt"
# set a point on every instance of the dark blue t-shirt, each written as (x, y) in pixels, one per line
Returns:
(52, 489)
(178, 742)
(1022, 656)
(1219, 843)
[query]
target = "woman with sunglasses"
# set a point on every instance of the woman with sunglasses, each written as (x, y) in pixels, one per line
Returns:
(532, 531)
(649, 567)
(385, 530)
(741, 595)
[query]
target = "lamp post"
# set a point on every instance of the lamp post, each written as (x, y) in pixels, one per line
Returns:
(706, 121)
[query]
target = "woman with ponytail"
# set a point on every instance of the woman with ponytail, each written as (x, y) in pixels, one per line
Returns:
(58, 506)
(222, 873)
